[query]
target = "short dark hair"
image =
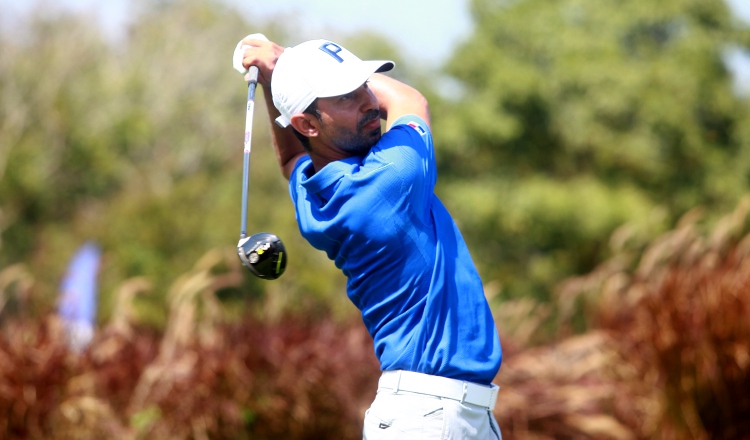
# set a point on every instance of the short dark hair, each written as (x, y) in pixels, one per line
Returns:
(312, 109)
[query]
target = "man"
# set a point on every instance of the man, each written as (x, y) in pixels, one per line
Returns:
(367, 199)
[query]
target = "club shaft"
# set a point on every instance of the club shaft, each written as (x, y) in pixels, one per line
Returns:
(245, 180)
(251, 84)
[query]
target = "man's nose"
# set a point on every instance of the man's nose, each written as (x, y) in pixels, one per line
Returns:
(368, 100)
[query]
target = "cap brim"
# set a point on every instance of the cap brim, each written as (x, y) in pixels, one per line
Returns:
(385, 66)
(355, 79)
(283, 122)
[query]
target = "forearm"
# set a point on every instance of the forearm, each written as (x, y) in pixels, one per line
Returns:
(286, 145)
(397, 99)
(259, 52)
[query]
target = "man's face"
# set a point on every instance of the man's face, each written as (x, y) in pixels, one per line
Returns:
(351, 122)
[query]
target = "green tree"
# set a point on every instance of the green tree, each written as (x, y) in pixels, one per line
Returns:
(137, 144)
(576, 117)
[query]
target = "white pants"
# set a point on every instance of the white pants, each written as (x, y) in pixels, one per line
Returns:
(405, 415)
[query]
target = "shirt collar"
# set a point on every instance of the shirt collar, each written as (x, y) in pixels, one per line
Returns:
(329, 175)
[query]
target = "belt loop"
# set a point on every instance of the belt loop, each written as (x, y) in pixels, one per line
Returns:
(465, 391)
(398, 381)
(493, 396)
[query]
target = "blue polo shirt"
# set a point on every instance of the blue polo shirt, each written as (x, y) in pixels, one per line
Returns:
(409, 271)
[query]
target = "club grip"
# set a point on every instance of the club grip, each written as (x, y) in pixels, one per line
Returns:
(252, 75)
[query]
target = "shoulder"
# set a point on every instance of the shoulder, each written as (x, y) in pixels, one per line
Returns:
(412, 121)
(414, 127)
(409, 131)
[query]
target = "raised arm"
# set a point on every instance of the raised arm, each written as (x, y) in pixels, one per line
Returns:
(264, 55)
(397, 99)
(288, 148)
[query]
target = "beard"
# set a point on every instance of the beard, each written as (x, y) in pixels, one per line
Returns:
(359, 142)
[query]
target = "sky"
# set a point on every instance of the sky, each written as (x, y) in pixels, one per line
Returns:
(741, 8)
(426, 30)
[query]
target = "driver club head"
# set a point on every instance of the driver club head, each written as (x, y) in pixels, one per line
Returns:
(264, 254)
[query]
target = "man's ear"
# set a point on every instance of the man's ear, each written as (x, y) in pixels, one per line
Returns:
(306, 124)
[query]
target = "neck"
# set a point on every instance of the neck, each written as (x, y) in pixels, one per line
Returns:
(321, 155)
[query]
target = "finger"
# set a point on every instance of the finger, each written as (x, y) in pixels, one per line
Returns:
(256, 37)
(254, 42)
(249, 60)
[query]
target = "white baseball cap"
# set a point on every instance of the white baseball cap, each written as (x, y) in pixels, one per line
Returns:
(317, 69)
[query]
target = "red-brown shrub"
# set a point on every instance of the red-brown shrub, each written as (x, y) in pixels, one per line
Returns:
(294, 379)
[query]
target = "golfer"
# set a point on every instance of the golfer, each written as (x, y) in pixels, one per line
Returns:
(367, 199)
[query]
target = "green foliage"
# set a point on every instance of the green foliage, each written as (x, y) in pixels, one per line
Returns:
(145, 418)
(566, 121)
(538, 230)
(619, 107)
(137, 144)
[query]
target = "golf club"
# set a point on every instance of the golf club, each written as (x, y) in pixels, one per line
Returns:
(262, 253)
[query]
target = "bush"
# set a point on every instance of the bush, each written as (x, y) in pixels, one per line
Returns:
(666, 352)
(292, 379)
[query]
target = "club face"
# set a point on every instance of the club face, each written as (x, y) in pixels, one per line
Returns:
(263, 254)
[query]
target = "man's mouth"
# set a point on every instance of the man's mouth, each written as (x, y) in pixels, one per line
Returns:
(370, 120)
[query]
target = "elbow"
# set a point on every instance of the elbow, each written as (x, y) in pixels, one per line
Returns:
(424, 107)
(418, 105)
(416, 98)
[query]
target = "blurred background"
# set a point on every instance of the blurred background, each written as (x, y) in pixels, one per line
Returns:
(596, 156)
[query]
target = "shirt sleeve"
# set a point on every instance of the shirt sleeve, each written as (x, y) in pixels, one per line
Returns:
(421, 140)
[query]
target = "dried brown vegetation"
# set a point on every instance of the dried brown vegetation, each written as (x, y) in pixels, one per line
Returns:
(201, 378)
(292, 379)
(665, 356)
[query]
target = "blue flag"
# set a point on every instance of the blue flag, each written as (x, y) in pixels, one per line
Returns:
(78, 293)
